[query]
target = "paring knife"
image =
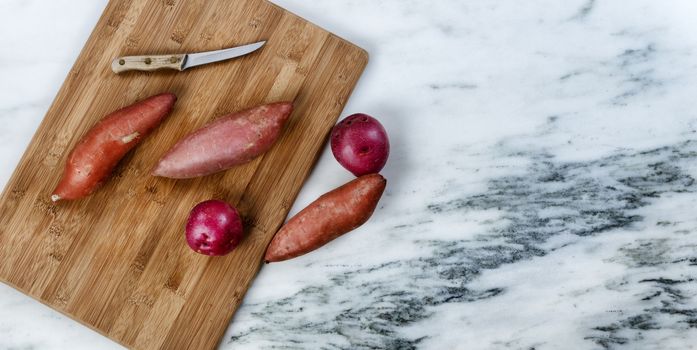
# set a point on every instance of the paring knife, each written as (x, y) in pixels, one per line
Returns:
(180, 61)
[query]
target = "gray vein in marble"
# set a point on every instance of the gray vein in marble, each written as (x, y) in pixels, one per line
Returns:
(550, 198)
(667, 303)
(456, 86)
(584, 11)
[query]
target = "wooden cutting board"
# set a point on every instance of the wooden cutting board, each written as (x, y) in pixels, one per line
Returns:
(117, 261)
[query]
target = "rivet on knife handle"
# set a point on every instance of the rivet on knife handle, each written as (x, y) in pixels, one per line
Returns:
(148, 63)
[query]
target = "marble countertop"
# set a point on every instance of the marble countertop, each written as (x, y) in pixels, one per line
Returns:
(541, 188)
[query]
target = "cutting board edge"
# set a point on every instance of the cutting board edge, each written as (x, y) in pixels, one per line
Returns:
(63, 312)
(21, 160)
(364, 52)
(63, 85)
(260, 264)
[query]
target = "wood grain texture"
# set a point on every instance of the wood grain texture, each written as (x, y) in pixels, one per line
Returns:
(117, 261)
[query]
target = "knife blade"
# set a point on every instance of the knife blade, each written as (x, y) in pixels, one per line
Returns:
(180, 62)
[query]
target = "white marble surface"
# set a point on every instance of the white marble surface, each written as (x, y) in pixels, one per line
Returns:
(541, 188)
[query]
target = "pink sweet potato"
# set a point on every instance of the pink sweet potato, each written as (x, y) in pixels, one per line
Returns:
(95, 156)
(226, 142)
(330, 216)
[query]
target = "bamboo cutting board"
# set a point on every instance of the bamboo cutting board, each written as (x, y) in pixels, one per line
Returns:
(117, 261)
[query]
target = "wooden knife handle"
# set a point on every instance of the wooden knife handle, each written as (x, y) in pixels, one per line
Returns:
(148, 63)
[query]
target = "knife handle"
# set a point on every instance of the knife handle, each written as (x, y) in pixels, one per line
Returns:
(148, 63)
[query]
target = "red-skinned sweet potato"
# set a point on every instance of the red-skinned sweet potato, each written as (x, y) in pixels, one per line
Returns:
(330, 216)
(91, 161)
(226, 142)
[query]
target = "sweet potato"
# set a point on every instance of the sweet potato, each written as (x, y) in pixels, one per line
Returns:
(97, 153)
(226, 142)
(330, 216)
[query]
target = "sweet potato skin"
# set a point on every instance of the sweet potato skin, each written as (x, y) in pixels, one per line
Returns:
(226, 142)
(330, 216)
(94, 157)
